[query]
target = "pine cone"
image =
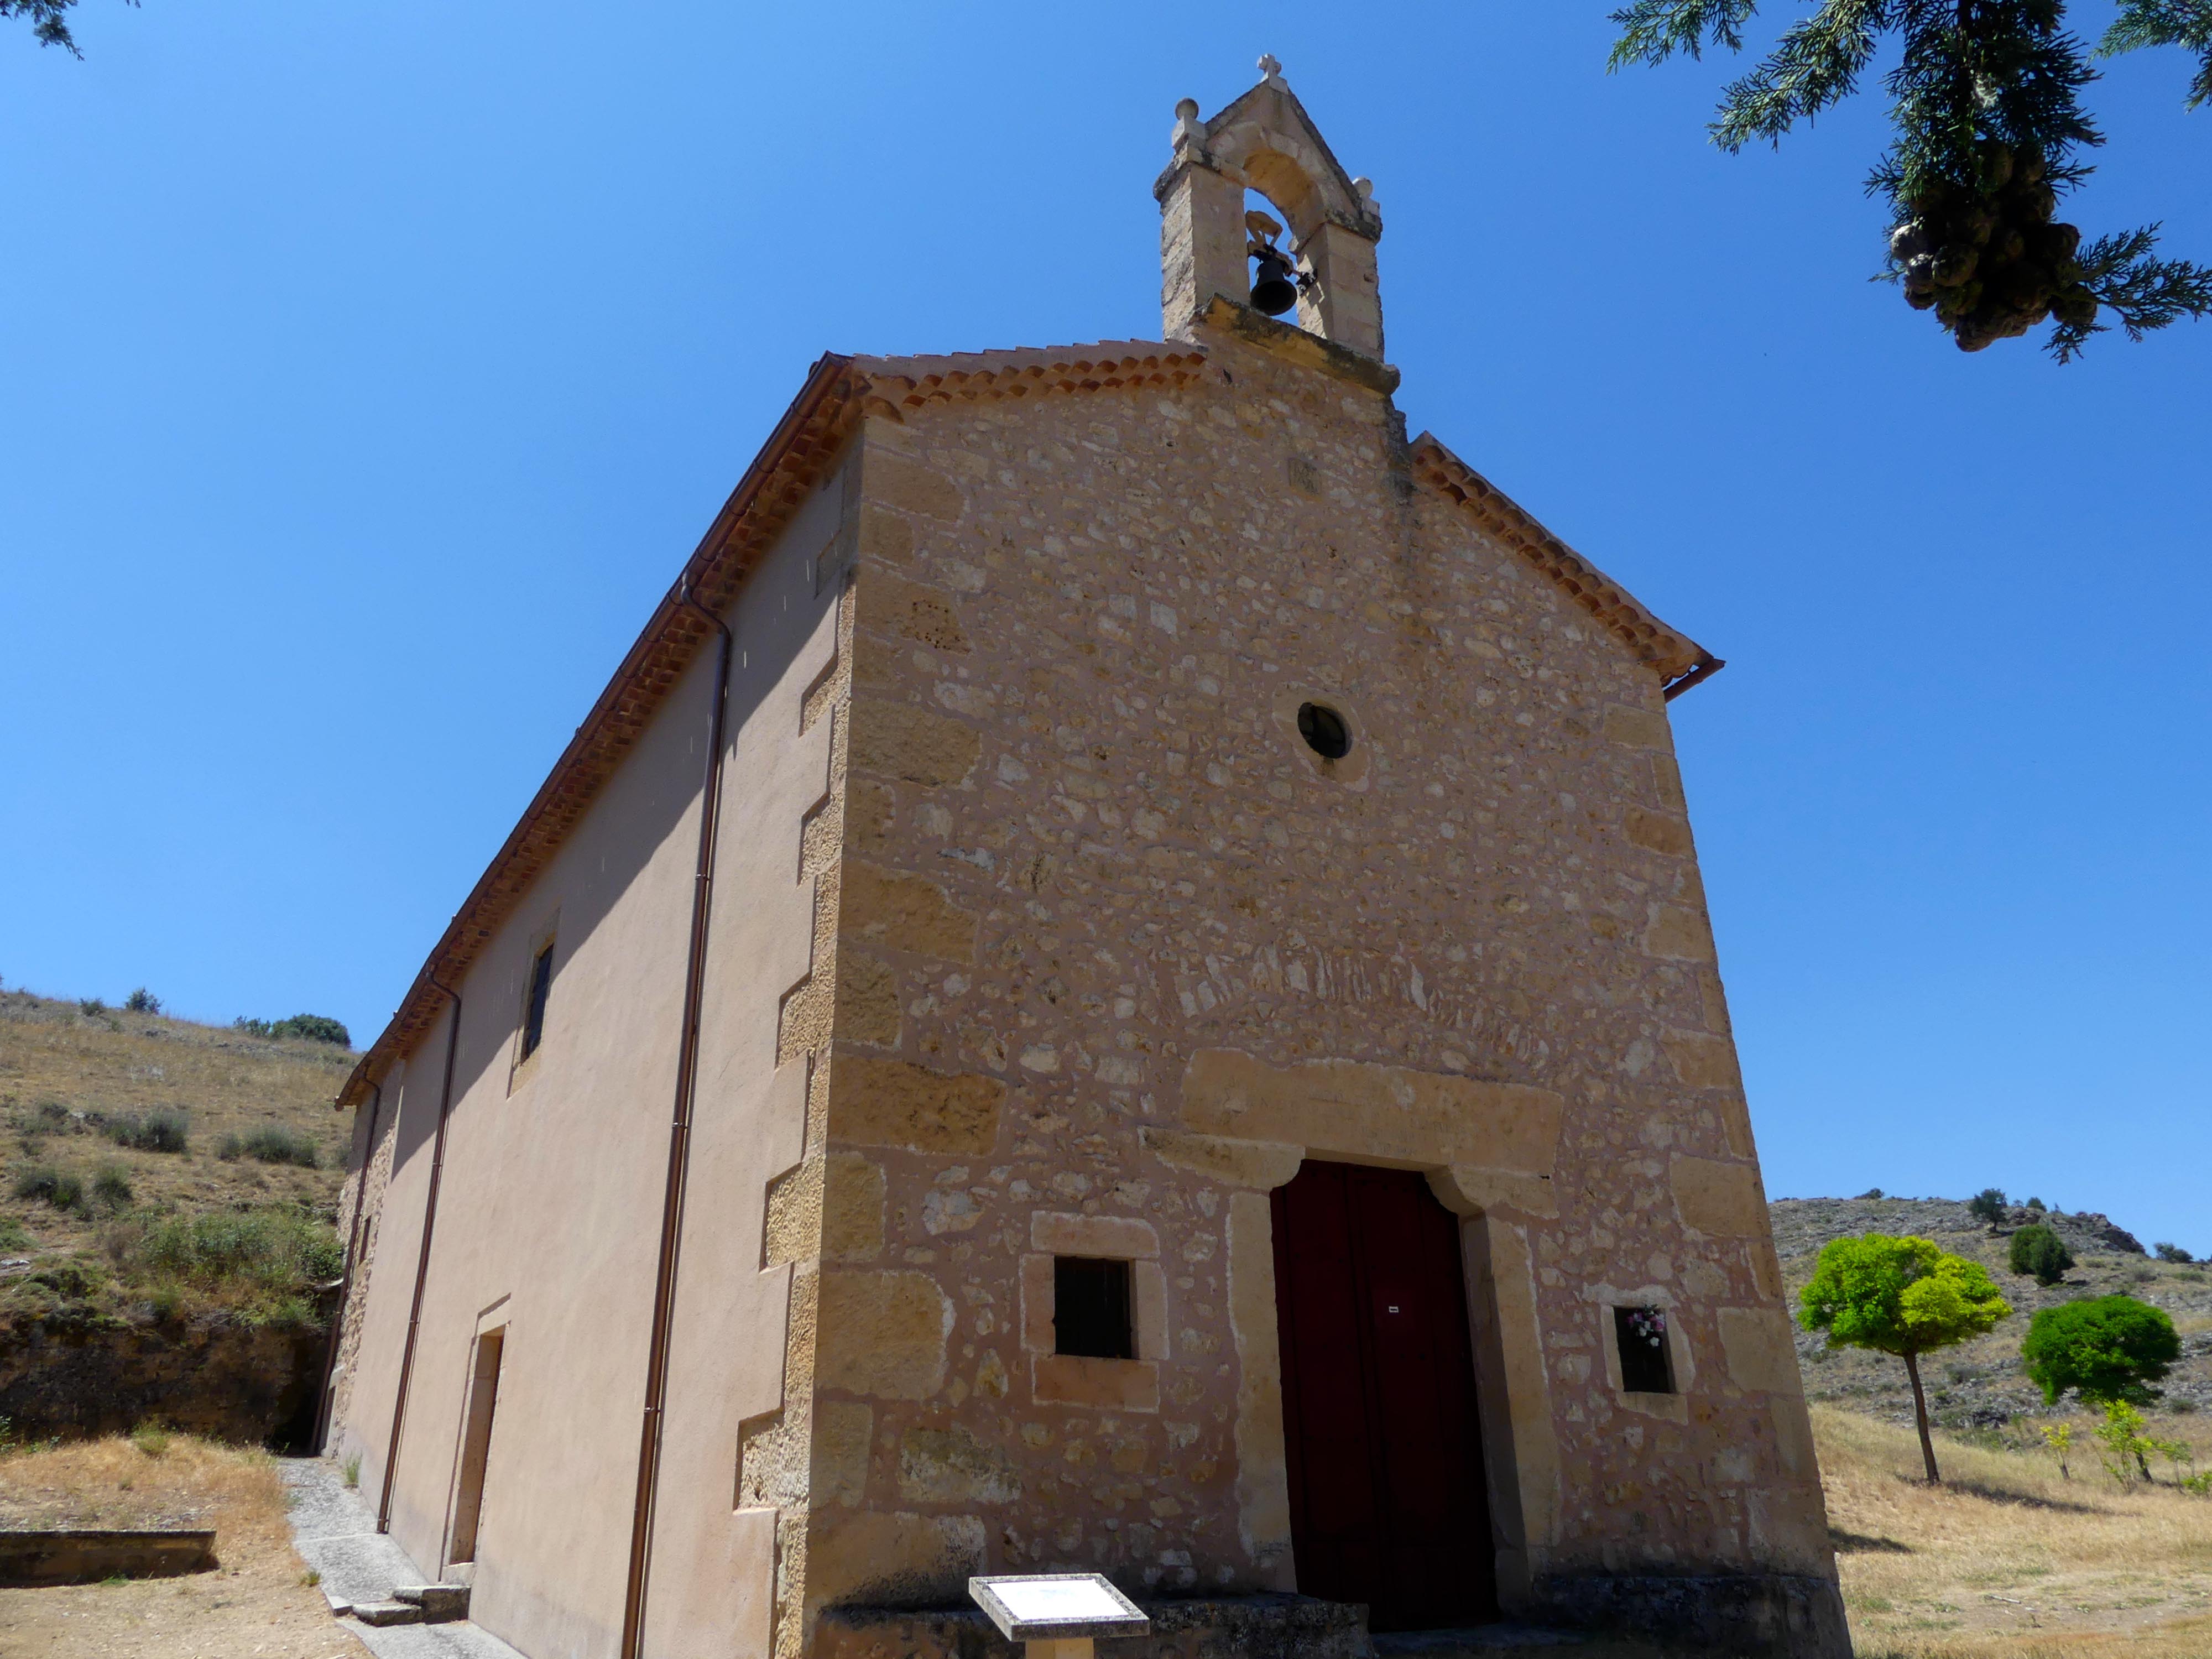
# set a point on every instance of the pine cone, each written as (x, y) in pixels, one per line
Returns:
(1955, 264)
(2055, 243)
(2074, 306)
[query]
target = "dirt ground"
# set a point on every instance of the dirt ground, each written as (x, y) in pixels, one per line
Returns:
(2009, 1559)
(256, 1603)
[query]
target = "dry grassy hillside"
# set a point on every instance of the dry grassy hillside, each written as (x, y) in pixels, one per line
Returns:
(1980, 1384)
(155, 1165)
(2009, 1559)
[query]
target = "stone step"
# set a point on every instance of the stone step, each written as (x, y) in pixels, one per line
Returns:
(441, 1604)
(387, 1613)
(1510, 1642)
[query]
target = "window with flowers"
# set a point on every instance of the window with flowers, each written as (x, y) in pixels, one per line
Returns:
(1646, 1367)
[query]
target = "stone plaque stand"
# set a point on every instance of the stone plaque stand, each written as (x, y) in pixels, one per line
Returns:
(1057, 1615)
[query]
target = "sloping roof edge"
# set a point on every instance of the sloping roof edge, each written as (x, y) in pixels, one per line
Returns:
(804, 440)
(1678, 660)
(837, 393)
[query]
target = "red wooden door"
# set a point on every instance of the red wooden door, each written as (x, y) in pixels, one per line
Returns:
(1387, 1505)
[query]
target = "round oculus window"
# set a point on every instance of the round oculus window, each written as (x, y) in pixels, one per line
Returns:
(1326, 732)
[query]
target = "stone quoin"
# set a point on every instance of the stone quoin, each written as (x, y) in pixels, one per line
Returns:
(1117, 983)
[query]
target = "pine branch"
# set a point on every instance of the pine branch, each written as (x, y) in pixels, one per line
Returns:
(48, 22)
(1816, 65)
(2142, 292)
(1652, 31)
(1988, 132)
(2166, 23)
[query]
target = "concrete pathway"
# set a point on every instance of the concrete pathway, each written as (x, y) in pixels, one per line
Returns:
(336, 1535)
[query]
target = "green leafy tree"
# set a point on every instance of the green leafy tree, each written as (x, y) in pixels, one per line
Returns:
(2105, 1348)
(1901, 1297)
(1988, 1205)
(1988, 132)
(2040, 1252)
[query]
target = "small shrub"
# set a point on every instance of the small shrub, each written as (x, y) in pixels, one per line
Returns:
(2035, 1204)
(1988, 1205)
(2059, 1438)
(53, 1118)
(165, 1129)
(310, 1578)
(66, 1279)
(142, 1001)
(276, 1252)
(2127, 1448)
(350, 1469)
(272, 1143)
(165, 1302)
(280, 1310)
(2042, 1253)
(111, 1185)
(50, 1186)
(2172, 1252)
(91, 1007)
(150, 1438)
(1871, 1193)
(2199, 1484)
(14, 1235)
(313, 1027)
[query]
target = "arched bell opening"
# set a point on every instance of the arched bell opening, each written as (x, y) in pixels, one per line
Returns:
(1257, 210)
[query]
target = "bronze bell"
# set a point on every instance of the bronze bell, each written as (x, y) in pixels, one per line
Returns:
(1273, 293)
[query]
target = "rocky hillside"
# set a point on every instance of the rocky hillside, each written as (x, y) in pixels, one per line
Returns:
(165, 1182)
(1980, 1384)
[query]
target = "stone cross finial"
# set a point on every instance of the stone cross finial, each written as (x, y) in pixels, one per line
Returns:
(1271, 71)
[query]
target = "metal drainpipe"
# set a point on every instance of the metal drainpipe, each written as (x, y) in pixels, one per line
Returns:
(679, 1157)
(422, 1260)
(345, 1287)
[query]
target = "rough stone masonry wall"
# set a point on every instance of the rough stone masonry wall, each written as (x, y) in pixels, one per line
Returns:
(361, 1215)
(776, 1453)
(1083, 849)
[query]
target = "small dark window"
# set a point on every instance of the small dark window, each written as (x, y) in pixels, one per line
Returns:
(541, 982)
(1091, 1308)
(1324, 730)
(1644, 1366)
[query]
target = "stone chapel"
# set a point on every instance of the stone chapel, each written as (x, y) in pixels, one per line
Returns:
(1117, 982)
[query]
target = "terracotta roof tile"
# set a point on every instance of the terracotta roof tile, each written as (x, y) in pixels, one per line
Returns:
(1673, 655)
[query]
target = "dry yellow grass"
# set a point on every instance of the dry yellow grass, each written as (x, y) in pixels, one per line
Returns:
(255, 1602)
(118, 1063)
(2008, 1560)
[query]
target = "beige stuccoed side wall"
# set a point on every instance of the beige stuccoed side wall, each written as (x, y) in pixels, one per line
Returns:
(1113, 945)
(549, 1219)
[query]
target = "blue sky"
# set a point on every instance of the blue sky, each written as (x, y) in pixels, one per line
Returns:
(371, 368)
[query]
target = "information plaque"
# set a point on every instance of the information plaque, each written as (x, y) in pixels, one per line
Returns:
(1057, 1606)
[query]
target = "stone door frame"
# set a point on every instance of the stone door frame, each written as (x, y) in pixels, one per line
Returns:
(1486, 1150)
